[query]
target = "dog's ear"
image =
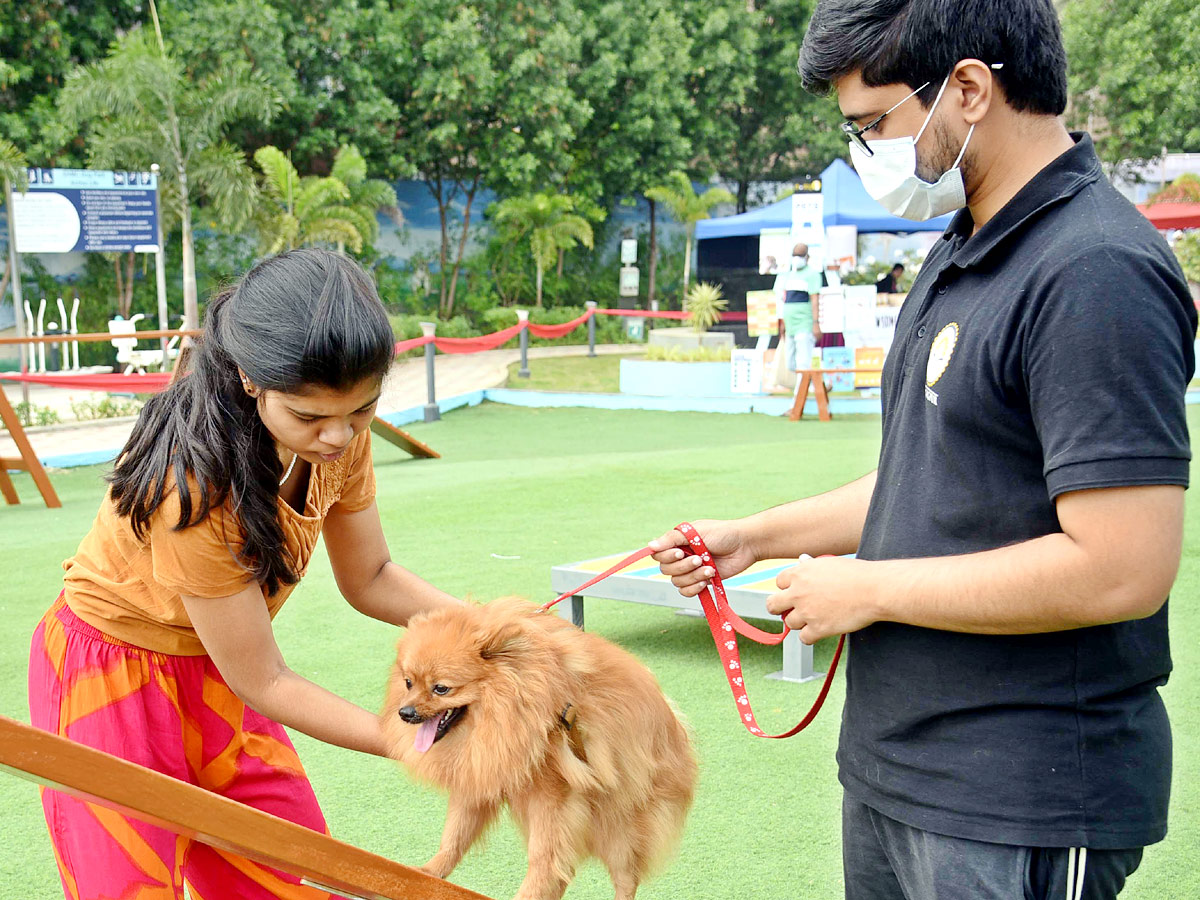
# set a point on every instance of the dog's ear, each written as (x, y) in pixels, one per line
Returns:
(506, 640)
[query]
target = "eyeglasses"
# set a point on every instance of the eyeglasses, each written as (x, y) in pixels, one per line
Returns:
(855, 134)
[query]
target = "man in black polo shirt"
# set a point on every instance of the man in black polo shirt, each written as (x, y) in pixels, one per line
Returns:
(1003, 734)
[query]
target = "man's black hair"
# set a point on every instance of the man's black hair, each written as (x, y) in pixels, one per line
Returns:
(898, 266)
(917, 41)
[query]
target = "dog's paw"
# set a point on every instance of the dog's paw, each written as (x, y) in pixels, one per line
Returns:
(436, 867)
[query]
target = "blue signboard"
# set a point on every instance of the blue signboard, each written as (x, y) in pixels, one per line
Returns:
(65, 210)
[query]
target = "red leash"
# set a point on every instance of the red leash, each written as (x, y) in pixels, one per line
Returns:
(725, 625)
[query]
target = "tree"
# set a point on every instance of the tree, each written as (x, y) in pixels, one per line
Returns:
(486, 100)
(1184, 189)
(337, 52)
(141, 108)
(13, 173)
(753, 121)
(633, 76)
(550, 224)
(687, 208)
(366, 196)
(1135, 75)
(337, 209)
(40, 42)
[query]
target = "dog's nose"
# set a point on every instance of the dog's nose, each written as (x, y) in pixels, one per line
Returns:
(409, 714)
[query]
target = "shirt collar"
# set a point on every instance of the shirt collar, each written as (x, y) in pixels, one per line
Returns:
(1064, 177)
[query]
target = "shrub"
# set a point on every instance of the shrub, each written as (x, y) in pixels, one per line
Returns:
(704, 306)
(30, 414)
(106, 408)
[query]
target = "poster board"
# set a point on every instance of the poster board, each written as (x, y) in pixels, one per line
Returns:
(808, 226)
(839, 358)
(859, 307)
(746, 371)
(868, 358)
(761, 313)
(841, 246)
(774, 250)
(831, 313)
(73, 210)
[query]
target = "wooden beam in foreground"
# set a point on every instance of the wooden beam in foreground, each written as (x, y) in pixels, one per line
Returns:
(193, 812)
(28, 461)
(402, 439)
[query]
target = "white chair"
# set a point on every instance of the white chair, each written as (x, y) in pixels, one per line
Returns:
(128, 354)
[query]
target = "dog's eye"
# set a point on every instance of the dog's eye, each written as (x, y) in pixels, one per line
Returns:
(408, 683)
(441, 689)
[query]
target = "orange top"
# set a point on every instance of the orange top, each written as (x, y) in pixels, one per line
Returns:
(131, 589)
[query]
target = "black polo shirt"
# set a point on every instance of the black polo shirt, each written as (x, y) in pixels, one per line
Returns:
(1047, 353)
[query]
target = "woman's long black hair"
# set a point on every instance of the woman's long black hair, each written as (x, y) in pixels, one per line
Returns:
(303, 318)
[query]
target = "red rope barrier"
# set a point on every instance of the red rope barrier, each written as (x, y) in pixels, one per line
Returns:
(475, 344)
(412, 344)
(496, 338)
(133, 383)
(557, 331)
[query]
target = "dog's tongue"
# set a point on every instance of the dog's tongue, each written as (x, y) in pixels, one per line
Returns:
(425, 734)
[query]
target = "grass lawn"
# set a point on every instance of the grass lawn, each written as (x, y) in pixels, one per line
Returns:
(546, 487)
(596, 374)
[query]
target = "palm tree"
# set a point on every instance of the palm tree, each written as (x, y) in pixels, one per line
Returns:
(551, 224)
(297, 211)
(687, 208)
(143, 108)
(368, 196)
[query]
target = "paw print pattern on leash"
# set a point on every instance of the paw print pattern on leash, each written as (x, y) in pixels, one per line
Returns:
(722, 620)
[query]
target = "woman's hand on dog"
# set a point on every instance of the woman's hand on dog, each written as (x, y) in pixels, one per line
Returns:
(731, 552)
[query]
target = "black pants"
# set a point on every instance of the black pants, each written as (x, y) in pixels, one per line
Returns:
(886, 860)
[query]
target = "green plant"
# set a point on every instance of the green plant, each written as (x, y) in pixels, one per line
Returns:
(406, 327)
(871, 272)
(687, 208)
(30, 414)
(1187, 249)
(141, 106)
(337, 209)
(1184, 189)
(704, 305)
(675, 353)
(106, 408)
(551, 225)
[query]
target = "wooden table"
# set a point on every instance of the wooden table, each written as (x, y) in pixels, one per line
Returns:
(814, 378)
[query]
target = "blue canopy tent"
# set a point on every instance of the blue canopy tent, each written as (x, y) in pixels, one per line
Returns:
(846, 203)
(727, 248)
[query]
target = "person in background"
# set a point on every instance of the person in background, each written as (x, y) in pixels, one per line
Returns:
(797, 293)
(890, 283)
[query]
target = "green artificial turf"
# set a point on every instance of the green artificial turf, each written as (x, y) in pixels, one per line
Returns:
(596, 374)
(548, 487)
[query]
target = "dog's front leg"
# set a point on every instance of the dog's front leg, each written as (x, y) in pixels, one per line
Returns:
(465, 822)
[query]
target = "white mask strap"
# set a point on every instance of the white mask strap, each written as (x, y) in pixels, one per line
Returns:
(936, 100)
(958, 158)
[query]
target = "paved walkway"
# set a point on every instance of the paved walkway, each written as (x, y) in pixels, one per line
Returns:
(454, 374)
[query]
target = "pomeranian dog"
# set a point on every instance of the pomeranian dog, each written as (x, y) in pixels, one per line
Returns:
(505, 704)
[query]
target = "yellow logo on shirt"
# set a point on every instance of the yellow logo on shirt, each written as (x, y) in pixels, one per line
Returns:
(940, 353)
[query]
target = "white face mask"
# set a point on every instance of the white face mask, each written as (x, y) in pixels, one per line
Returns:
(890, 176)
(799, 262)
